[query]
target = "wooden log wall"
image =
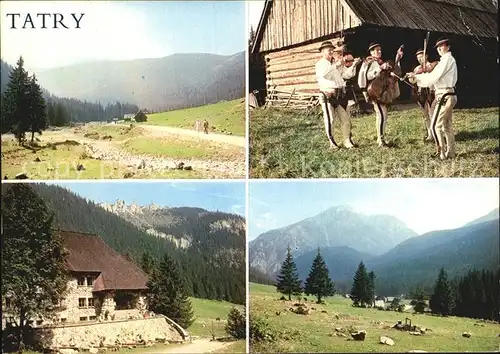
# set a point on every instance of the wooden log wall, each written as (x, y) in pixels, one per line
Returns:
(291, 22)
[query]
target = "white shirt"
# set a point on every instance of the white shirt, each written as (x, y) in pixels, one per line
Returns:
(331, 77)
(414, 80)
(373, 72)
(444, 75)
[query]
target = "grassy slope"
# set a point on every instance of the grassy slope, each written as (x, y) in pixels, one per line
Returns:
(206, 312)
(294, 145)
(226, 115)
(313, 333)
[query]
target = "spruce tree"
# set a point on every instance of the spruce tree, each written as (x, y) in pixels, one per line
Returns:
(288, 282)
(16, 103)
(236, 323)
(359, 290)
(148, 264)
(441, 301)
(33, 275)
(318, 282)
(370, 289)
(167, 295)
(37, 113)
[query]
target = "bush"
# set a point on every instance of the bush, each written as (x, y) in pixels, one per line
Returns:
(236, 324)
(261, 330)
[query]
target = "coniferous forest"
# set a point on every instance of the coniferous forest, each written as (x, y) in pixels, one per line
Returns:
(29, 108)
(209, 256)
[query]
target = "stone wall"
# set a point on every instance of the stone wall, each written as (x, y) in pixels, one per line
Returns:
(106, 334)
(72, 312)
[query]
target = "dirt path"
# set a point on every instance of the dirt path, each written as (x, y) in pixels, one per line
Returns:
(109, 151)
(197, 346)
(158, 130)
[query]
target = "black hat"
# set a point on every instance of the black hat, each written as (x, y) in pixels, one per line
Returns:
(420, 51)
(442, 41)
(373, 45)
(326, 44)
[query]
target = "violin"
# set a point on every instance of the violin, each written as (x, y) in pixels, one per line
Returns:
(428, 69)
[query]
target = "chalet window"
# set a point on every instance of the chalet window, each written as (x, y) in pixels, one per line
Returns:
(39, 322)
(81, 281)
(64, 319)
(92, 318)
(125, 301)
(83, 319)
(90, 302)
(82, 302)
(7, 303)
(90, 280)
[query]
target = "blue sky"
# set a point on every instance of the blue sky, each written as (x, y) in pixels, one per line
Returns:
(116, 30)
(275, 204)
(223, 196)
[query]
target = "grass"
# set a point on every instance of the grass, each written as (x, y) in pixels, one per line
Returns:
(316, 332)
(206, 313)
(182, 148)
(100, 131)
(226, 116)
(60, 160)
(290, 144)
(237, 347)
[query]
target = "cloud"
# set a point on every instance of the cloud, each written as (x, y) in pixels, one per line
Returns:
(265, 221)
(238, 209)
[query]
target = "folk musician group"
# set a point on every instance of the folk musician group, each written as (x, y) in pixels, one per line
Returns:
(379, 81)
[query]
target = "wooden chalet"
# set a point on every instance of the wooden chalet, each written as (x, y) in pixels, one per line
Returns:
(290, 32)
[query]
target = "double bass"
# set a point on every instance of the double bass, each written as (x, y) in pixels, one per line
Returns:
(384, 88)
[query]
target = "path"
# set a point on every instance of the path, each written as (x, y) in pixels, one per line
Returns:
(159, 130)
(197, 346)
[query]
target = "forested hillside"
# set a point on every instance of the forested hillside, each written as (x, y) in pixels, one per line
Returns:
(212, 255)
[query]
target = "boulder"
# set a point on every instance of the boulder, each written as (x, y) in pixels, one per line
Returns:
(359, 335)
(93, 350)
(415, 333)
(386, 340)
(417, 351)
(466, 334)
(21, 176)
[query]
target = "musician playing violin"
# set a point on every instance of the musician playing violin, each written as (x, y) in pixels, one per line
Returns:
(374, 69)
(444, 78)
(424, 93)
(331, 73)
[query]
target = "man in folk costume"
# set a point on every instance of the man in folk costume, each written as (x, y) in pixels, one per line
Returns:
(444, 78)
(425, 93)
(371, 68)
(331, 74)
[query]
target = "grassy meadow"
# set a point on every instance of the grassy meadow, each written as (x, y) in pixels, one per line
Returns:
(206, 313)
(291, 144)
(318, 331)
(225, 116)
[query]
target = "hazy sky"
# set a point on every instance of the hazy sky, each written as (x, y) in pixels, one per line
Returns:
(255, 8)
(223, 196)
(114, 30)
(419, 203)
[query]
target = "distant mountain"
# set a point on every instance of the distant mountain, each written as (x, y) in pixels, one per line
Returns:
(342, 262)
(336, 227)
(418, 260)
(216, 240)
(175, 81)
(492, 215)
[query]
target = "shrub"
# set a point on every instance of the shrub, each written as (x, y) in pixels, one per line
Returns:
(261, 330)
(236, 324)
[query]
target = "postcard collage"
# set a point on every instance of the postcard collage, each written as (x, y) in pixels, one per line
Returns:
(265, 176)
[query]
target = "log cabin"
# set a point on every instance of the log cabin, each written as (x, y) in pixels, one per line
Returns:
(290, 32)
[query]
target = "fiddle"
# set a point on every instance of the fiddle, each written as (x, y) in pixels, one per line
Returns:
(429, 67)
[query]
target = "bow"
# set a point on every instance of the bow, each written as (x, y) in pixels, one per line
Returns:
(426, 41)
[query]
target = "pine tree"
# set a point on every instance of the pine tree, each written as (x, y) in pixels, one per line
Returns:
(236, 323)
(167, 295)
(33, 274)
(148, 264)
(370, 291)
(16, 103)
(441, 301)
(288, 282)
(37, 113)
(318, 282)
(359, 291)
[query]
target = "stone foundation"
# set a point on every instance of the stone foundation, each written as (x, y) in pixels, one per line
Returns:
(109, 334)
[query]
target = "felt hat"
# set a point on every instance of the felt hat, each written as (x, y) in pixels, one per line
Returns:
(442, 41)
(373, 45)
(326, 44)
(420, 51)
